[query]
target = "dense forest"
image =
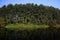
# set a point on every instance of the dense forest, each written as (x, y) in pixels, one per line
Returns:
(30, 13)
(33, 14)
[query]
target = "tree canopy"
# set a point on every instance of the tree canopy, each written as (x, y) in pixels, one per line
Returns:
(30, 13)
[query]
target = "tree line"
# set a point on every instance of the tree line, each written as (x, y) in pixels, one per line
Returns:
(30, 13)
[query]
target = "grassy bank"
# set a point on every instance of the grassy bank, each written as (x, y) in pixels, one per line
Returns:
(25, 26)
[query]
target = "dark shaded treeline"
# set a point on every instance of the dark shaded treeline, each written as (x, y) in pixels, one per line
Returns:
(30, 13)
(37, 34)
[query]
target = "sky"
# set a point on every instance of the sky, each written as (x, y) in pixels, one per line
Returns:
(54, 3)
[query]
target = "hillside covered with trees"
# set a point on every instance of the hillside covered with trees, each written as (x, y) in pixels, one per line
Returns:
(29, 16)
(29, 13)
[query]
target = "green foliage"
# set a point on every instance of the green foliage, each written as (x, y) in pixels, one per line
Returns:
(2, 22)
(30, 13)
(29, 22)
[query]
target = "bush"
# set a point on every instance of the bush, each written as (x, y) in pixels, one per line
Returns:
(36, 34)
